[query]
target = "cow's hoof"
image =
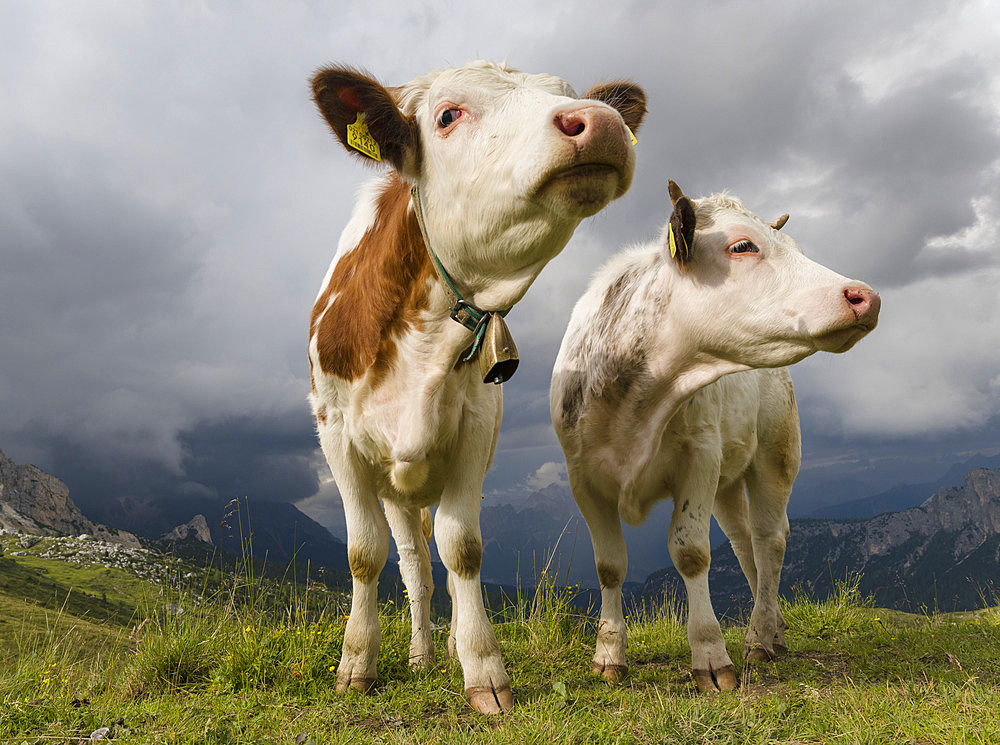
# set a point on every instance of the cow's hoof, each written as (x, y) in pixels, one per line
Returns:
(611, 673)
(358, 684)
(713, 681)
(757, 653)
(489, 700)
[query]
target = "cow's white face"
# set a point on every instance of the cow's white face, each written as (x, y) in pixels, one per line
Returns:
(503, 141)
(751, 297)
(507, 163)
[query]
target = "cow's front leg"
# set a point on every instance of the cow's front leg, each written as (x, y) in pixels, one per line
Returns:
(367, 550)
(456, 526)
(415, 566)
(691, 552)
(611, 558)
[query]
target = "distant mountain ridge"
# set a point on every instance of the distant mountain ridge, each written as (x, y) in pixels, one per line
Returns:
(519, 538)
(918, 557)
(903, 496)
(943, 554)
(279, 530)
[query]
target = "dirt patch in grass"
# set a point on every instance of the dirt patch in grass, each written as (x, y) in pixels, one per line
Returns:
(791, 672)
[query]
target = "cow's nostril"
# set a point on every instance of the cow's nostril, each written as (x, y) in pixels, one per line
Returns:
(570, 125)
(857, 297)
(864, 302)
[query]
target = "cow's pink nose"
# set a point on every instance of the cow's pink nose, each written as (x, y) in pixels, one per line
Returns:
(864, 301)
(582, 123)
(571, 123)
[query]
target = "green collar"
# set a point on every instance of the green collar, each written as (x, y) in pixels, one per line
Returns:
(474, 319)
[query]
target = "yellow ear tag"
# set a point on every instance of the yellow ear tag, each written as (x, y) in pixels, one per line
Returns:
(361, 139)
(673, 243)
(634, 141)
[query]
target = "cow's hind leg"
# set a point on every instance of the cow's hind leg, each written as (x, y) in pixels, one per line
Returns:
(769, 482)
(415, 566)
(732, 512)
(769, 492)
(451, 649)
(611, 558)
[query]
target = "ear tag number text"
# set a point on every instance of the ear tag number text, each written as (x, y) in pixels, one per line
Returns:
(361, 139)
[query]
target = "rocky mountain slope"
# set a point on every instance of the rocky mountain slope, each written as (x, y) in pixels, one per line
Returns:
(36, 503)
(195, 529)
(944, 554)
(33, 502)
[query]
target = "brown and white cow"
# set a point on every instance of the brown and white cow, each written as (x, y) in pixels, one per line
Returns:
(507, 165)
(661, 390)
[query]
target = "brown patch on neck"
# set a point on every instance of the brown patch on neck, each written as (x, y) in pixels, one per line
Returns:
(380, 287)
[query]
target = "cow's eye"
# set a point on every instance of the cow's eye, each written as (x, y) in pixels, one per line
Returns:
(743, 247)
(448, 117)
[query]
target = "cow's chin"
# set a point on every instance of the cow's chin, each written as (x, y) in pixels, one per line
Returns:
(582, 190)
(840, 340)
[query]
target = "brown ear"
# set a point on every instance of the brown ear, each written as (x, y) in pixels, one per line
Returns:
(625, 97)
(682, 223)
(341, 93)
(780, 222)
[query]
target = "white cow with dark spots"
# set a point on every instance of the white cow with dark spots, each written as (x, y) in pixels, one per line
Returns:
(670, 384)
(502, 166)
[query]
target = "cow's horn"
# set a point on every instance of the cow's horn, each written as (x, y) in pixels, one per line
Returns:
(674, 191)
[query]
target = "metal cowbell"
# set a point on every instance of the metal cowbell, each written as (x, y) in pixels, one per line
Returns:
(498, 353)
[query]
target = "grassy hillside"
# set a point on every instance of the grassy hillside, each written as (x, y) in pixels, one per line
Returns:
(28, 629)
(261, 669)
(100, 585)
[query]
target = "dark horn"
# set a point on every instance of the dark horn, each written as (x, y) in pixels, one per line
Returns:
(780, 222)
(674, 190)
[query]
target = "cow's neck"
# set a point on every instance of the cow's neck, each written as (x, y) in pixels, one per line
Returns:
(381, 292)
(488, 298)
(676, 371)
(491, 261)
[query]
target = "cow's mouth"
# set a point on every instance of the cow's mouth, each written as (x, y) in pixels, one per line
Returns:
(586, 170)
(840, 340)
(582, 189)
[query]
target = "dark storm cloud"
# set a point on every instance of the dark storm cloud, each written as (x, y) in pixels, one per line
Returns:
(256, 456)
(169, 201)
(93, 276)
(261, 457)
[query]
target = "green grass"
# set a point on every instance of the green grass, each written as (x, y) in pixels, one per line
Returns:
(114, 586)
(27, 630)
(250, 664)
(92, 592)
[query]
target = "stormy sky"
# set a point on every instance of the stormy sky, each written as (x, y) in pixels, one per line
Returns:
(170, 201)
